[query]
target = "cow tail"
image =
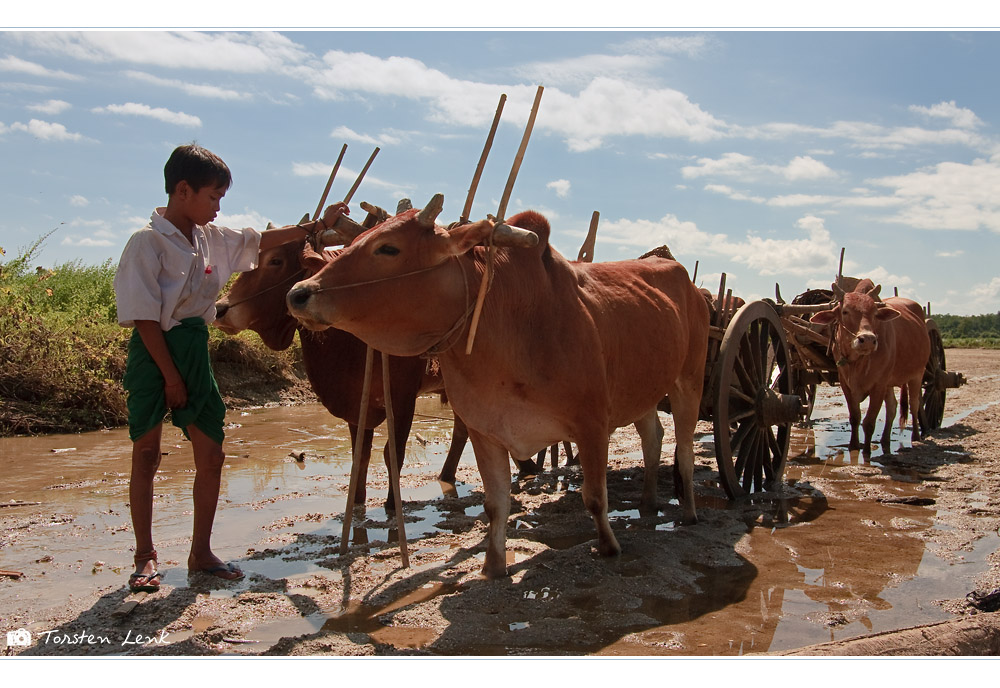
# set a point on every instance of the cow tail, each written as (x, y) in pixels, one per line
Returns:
(904, 399)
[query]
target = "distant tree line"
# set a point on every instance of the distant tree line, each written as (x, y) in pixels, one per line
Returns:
(969, 326)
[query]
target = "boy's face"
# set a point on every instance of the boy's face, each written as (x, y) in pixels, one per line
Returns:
(203, 205)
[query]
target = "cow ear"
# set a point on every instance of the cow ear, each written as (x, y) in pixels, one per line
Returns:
(462, 238)
(824, 317)
(886, 313)
(310, 260)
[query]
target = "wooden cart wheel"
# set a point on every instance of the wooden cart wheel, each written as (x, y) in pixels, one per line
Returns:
(754, 404)
(932, 399)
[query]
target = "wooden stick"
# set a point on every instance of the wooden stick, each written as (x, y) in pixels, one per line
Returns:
(393, 462)
(840, 270)
(694, 277)
(358, 445)
(10, 574)
(357, 182)
(329, 183)
(586, 254)
(501, 213)
(482, 161)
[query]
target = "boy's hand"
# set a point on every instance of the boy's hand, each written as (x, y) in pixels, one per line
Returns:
(333, 213)
(176, 394)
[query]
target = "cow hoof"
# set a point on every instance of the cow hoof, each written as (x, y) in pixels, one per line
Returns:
(494, 572)
(689, 521)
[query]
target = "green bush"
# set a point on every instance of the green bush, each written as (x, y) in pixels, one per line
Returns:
(62, 352)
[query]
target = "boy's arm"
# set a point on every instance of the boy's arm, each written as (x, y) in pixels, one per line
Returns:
(282, 235)
(152, 337)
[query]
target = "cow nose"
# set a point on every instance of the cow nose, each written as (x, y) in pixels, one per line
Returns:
(867, 339)
(220, 309)
(299, 295)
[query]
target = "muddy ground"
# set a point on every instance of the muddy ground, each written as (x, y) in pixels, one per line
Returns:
(847, 546)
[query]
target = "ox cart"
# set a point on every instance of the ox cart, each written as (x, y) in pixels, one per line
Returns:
(765, 360)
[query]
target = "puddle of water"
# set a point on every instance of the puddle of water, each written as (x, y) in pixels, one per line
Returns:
(796, 583)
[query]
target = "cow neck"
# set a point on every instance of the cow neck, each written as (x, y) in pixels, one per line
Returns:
(453, 335)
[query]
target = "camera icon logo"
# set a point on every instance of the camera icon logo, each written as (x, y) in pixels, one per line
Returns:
(19, 638)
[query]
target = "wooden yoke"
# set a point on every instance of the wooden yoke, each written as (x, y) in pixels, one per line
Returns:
(501, 214)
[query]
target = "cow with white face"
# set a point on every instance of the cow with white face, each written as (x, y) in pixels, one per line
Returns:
(564, 351)
(877, 345)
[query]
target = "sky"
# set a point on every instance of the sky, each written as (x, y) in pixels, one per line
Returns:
(755, 153)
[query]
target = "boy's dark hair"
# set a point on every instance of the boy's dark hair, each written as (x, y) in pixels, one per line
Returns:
(197, 166)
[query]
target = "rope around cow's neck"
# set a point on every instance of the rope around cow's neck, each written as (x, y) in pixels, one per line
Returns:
(441, 346)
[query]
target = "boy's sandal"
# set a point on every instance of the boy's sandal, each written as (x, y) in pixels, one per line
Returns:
(147, 585)
(147, 579)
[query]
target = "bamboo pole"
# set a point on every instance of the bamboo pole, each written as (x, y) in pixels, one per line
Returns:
(357, 182)
(840, 270)
(467, 210)
(694, 277)
(329, 183)
(501, 213)
(358, 446)
(586, 254)
(393, 462)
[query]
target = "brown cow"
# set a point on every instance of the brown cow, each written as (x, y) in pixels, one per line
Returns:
(334, 360)
(877, 346)
(564, 350)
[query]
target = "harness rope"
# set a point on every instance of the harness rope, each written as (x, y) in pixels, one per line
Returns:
(440, 347)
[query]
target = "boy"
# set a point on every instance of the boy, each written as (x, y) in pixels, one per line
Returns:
(168, 278)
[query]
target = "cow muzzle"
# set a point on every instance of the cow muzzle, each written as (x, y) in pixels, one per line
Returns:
(865, 343)
(301, 304)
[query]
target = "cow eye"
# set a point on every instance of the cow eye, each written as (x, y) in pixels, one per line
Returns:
(275, 262)
(387, 250)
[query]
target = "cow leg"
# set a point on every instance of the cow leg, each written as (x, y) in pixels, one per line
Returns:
(494, 468)
(403, 417)
(854, 414)
(685, 399)
(361, 489)
(919, 429)
(890, 417)
(571, 460)
(875, 399)
(593, 454)
(459, 438)
(651, 433)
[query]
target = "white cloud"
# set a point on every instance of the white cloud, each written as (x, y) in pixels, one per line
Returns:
(962, 118)
(604, 107)
(346, 133)
(560, 186)
(950, 195)
(811, 251)
(47, 131)
(200, 90)
(244, 52)
(248, 218)
(732, 194)
(79, 201)
(16, 64)
(800, 168)
(51, 107)
(157, 113)
(98, 234)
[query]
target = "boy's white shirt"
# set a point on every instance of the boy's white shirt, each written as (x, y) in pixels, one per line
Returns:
(164, 277)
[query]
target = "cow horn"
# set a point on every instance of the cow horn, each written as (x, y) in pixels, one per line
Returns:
(838, 293)
(514, 237)
(430, 212)
(874, 292)
(403, 205)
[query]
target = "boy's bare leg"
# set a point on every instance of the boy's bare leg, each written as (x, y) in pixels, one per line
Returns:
(145, 463)
(208, 461)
